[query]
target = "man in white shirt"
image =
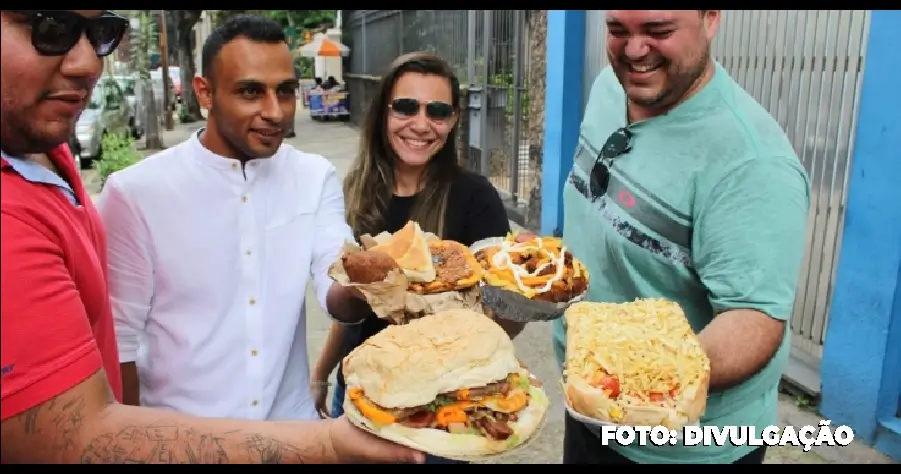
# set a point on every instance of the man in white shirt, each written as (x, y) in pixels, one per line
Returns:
(212, 242)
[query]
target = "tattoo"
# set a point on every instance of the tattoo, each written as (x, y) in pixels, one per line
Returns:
(174, 445)
(154, 445)
(66, 418)
(59, 425)
(270, 451)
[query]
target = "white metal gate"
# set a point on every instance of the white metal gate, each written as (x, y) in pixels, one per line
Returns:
(805, 68)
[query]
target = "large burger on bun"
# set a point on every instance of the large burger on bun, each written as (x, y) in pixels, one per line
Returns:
(447, 384)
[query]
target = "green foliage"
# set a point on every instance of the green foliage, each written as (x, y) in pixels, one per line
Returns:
(306, 67)
(302, 18)
(117, 153)
(294, 22)
(506, 81)
(143, 41)
(183, 115)
(292, 18)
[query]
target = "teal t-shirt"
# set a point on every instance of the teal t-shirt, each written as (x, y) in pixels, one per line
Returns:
(708, 209)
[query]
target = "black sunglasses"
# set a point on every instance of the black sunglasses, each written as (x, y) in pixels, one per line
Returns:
(619, 143)
(435, 110)
(56, 32)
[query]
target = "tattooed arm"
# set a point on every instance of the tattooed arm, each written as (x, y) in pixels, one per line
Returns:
(85, 425)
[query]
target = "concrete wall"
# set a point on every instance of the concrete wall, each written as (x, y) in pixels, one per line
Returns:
(861, 368)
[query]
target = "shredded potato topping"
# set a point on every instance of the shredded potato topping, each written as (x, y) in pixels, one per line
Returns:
(534, 267)
(550, 251)
(638, 352)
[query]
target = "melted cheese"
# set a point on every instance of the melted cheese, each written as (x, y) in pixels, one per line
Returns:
(370, 411)
(503, 260)
(647, 345)
(513, 403)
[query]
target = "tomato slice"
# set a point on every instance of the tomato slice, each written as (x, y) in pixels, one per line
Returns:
(610, 384)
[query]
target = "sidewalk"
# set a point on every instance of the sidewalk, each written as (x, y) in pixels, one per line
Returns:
(338, 142)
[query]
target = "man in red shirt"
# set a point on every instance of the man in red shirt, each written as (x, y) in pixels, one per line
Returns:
(61, 384)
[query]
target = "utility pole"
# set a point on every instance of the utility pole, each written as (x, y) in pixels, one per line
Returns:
(164, 65)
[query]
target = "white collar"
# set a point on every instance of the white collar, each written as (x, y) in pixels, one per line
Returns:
(204, 155)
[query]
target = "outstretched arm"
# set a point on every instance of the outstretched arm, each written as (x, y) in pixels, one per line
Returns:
(342, 304)
(736, 359)
(85, 425)
(748, 245)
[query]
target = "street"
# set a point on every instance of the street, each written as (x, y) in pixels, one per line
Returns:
(338, 142)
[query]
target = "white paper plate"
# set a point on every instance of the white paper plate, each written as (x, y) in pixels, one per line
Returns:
(598, 423)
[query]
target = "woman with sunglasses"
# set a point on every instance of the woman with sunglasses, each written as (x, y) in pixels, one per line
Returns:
(407, 169)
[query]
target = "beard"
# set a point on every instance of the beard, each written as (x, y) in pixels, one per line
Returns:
(22, 136)
(678, 78)
(230, 134)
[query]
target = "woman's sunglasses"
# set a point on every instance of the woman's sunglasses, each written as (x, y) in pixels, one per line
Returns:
(619, 143)
(56, 32)
(434, 110)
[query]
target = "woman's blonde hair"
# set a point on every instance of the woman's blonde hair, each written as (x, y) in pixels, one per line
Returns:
(369, 186)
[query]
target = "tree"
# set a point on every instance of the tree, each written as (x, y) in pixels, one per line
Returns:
(308, 19)
(141, 42)
(183, 22)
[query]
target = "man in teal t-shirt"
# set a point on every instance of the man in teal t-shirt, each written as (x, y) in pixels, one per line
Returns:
(685, 188)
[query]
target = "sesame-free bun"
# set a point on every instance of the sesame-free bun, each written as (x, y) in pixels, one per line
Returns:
(409, 247)
(650, 340)
(409, 365)
(594, 403)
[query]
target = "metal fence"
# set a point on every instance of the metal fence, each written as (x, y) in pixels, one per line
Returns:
(805, 67)
(378, 36)
(497, 87)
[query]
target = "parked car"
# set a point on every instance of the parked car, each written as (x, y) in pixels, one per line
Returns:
(175, 77)
(107, 112)
(75, 148)
(156, 83)
(136, 105)
(156, 78)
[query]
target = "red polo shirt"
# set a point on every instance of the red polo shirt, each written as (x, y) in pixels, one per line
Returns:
(57, 325)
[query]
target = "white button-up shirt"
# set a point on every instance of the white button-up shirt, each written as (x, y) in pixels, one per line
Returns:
(208, 266)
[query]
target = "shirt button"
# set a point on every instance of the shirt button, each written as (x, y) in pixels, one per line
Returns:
(244, 198)
(254, 353)
(247, 252)
(234, 166)
(253, 302)
(255, 402)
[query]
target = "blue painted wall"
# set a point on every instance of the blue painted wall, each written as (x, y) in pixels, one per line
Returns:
(861, 369)
(888, 434)
(562, 114)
